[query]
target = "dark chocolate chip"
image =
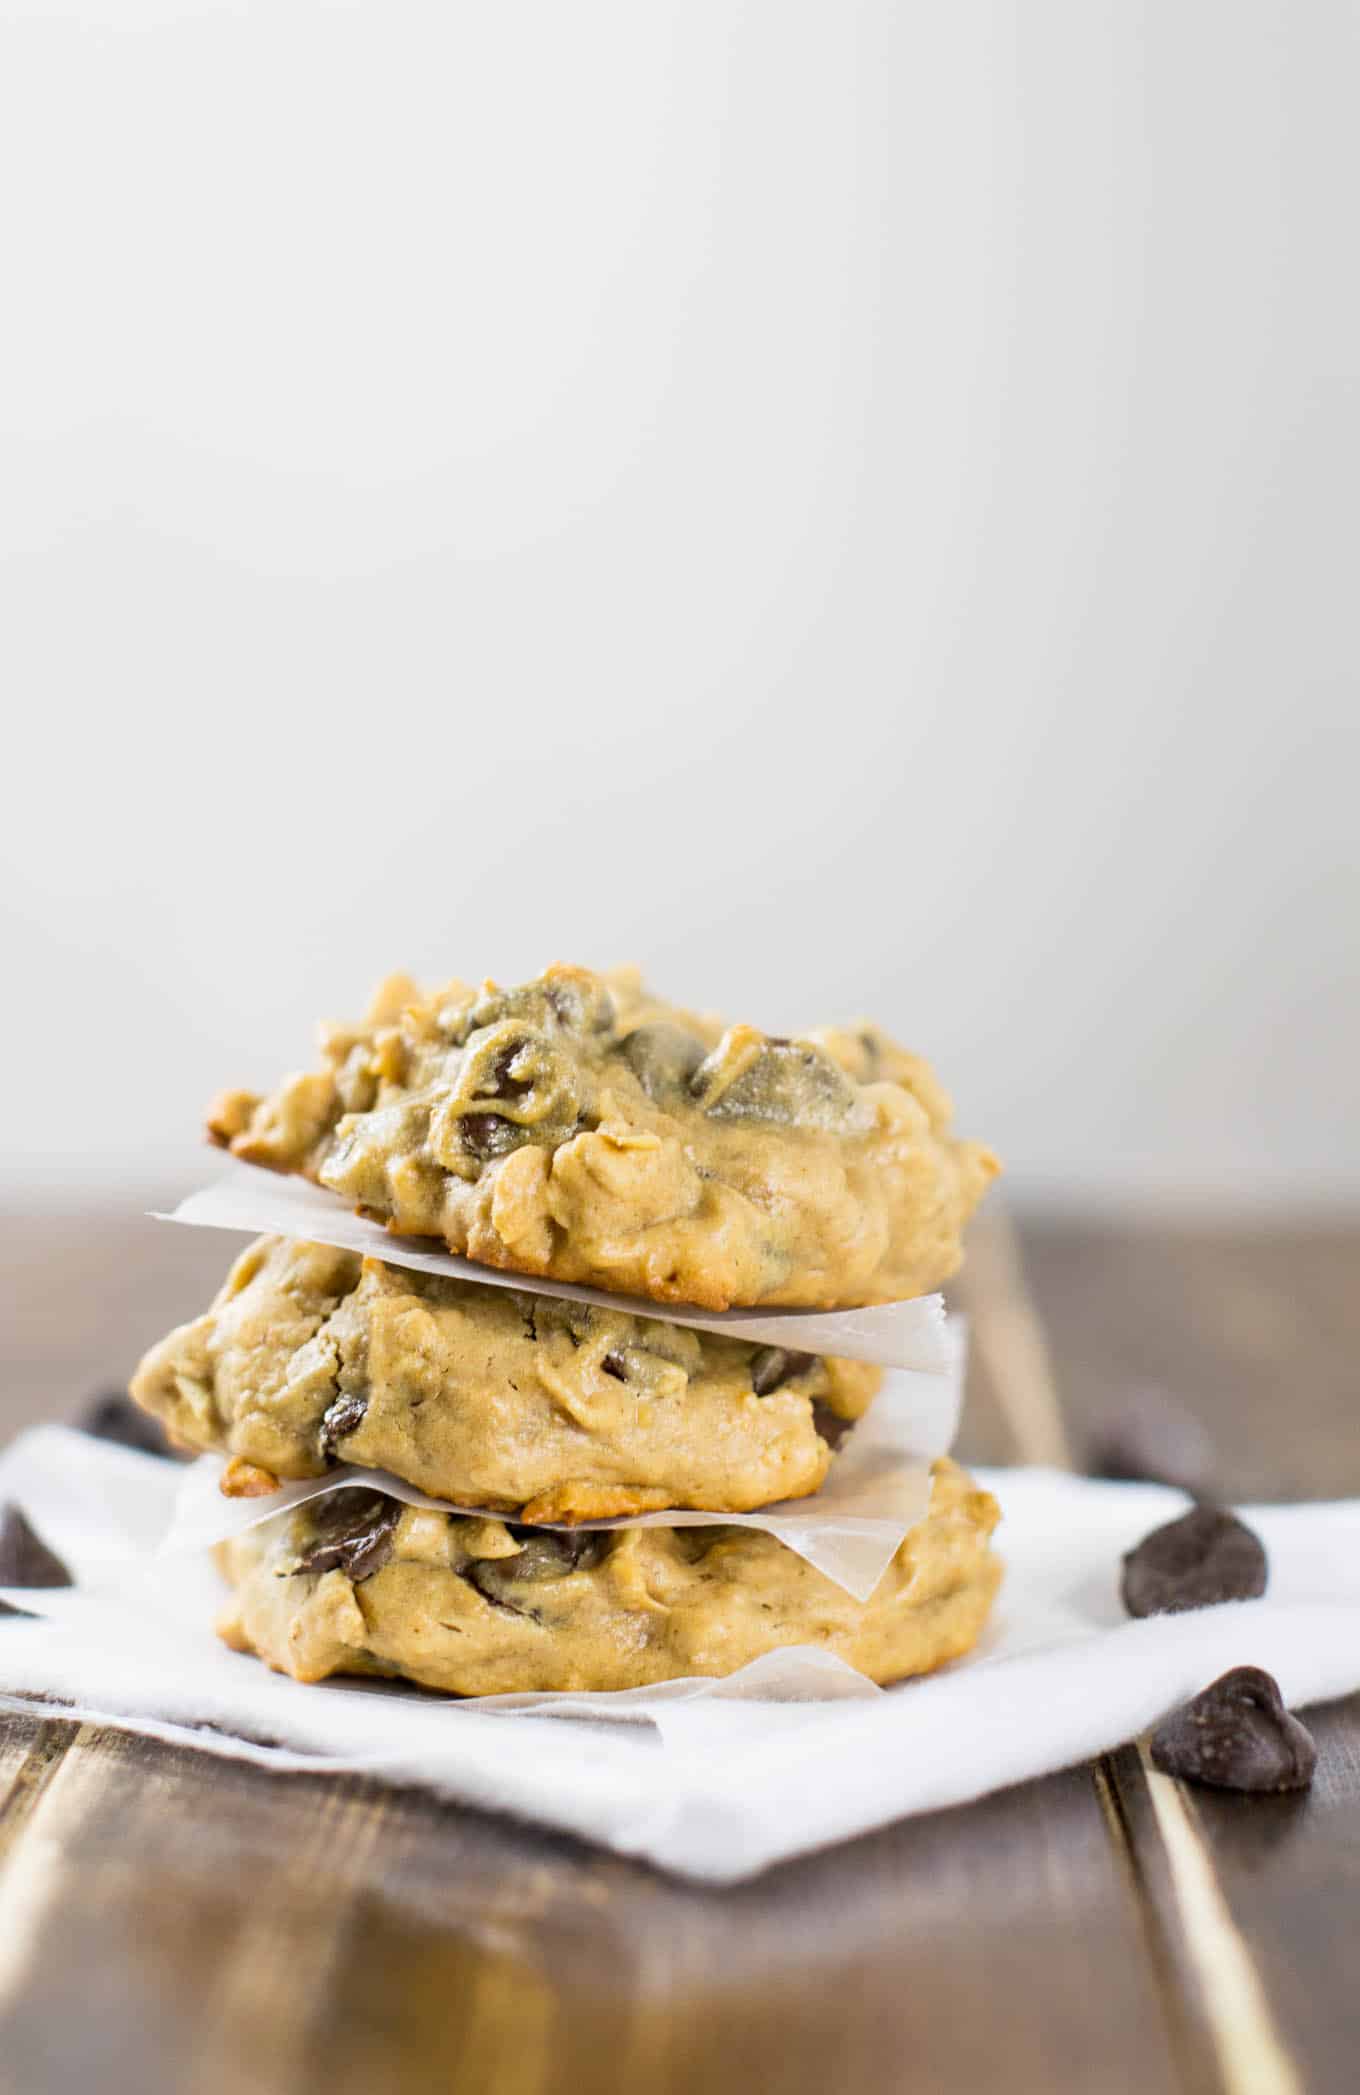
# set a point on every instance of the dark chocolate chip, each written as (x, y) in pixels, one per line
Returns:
(614, 1364)
(486, 1134)
(577, 1008)
(1205, 1557)
(1237, 1734)
(1148, 1439)
(772, 1366)
(342, 1417)
(550, 1553)
(503, 1084)
(829, 1424)
(115, 1417)
(487, 1578)
(25, 1559)
(662, 1057)
(353, 1534)
(547, 1553)
(7, 1607)
(786, 1081)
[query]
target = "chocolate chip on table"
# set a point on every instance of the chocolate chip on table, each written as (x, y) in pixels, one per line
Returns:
(1237, 1734)
(1148, 1439)
(25, 1559)
(353, 1534)
(773, 1366)
(342, 1417)
(1205, 1557)
(113, 1416)
(7, 1607)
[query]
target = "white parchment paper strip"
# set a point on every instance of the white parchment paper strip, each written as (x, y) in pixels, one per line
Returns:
(850, 1530)
(894, 1335)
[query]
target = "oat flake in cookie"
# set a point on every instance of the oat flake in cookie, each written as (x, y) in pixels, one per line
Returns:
(576, 1128)
(488, 1397)
(480, 1607)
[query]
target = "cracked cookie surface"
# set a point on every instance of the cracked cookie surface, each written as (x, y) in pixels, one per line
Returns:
(486, 1396)
(575, 1128)
(357, 1583)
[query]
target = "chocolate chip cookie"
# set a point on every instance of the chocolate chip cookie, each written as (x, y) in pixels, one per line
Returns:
(486, 1396)
(357, 1583)
(577, 1129)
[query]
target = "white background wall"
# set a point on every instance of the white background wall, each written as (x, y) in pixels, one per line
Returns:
(854, 505)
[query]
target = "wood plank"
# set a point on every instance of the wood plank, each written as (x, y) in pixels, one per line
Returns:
(207, 1925)
(1012, 1410)
(30, 1755)
(1255, 1331)
(1255, 1901)
(83, 1295)
(1287, 1873)
(1290, 1871)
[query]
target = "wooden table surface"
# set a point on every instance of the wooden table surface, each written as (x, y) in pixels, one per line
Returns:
(173, 1922)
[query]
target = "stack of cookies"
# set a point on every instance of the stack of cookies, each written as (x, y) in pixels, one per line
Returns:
(575, 1130)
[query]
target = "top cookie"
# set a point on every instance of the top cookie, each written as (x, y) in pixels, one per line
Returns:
(575, 1128)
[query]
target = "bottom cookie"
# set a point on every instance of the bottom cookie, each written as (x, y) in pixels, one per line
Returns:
(354, 1582)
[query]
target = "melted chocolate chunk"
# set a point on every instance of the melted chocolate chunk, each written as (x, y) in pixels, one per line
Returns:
(661, 1056)
(25, 1559)
(1237, 1734)
(503, 1084)
(578, 1010)
(550, 1553)
(773, 1366)
(115, 1417)
(342, 1417)
(829, 1424)
(789, 1081)
(486, 1578)
(615, 1365)
(547, 1553)
(487, 1134)
(354, 1531)
(1206, 1557)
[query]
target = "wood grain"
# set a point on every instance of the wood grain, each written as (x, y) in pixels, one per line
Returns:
(235, 1930)
(81, 1299)
(1257, 1332)
(169, 1922)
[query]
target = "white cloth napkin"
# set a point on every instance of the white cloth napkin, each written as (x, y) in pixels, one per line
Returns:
(711, 1780)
